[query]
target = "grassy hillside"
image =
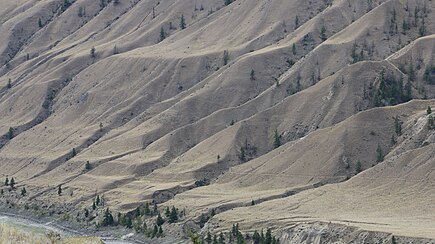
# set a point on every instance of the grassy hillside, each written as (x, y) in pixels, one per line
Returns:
(210, 106)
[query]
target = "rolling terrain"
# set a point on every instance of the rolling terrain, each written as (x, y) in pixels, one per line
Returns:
(307, 117)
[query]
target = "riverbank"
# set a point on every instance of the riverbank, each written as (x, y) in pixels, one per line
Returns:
(69, 229)
(18, 228)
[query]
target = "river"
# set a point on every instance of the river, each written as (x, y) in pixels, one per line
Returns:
(16, 229)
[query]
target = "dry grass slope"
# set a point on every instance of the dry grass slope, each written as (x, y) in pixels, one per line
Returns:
(157, 108)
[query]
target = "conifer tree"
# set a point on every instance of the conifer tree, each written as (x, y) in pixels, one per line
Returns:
(429, 110)
(221, 239)
(162, 34)
(268, 238)
(226, 57)
(208, 238)
(59, 190)
(296, 22)
(92, 52)
(242, 155)
(155, 231)
(107, 218)
(12, 183)
(160, 232)
(397, 126)
(167, 212)
(147, 210)
(173, 215)
(323, 33)
(7, 181)
(182, 22)
(358, 167)
(23, 192)
(379, 154)
(159, 220)
(277, 140)
(88, 166)
(11, 133)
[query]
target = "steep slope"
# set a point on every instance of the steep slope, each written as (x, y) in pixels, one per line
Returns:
(394, 196)
(170, 113)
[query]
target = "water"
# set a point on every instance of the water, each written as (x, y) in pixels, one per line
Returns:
(14, 229)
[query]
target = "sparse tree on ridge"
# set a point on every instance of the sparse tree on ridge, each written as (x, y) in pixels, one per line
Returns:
(277, 140)
(182, 22)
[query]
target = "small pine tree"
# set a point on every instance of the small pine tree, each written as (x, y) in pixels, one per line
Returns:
(73, 153)
(7, 181)
(88, 165)
(128, 222)
(173, 215)
(221, 239)
(97, 200)
(277, 140)
(159, 220)
(208, 239)
(162, 34)
(226, 57)
(393, 140)
(358, 167)
(94, 206)
(2, 192)
(80, 12)
(294, 49)
(379, 154)
(160, 232)
(59, 190)
(86, 212)
(268, 238)
(182, 22)
(12, 183)
(155, 231)
(393, 240)
(167, 212)
(252, 75)
(146, 209)
(431, 123)
(242, 155)
(256, 238)
(107, 218)
(155, 210)
(252, 203)
(23, 192)
(397, 126)
(323, 33)
(11, 133)
(429, 110)
(92, 52)
(40, 23)
(9, 86)
(296, 22)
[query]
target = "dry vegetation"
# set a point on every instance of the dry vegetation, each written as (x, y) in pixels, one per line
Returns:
(283, 113)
